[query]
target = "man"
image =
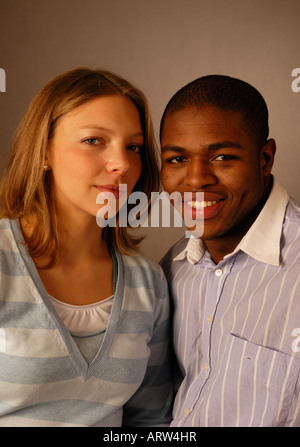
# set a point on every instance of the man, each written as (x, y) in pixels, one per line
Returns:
(236, 289)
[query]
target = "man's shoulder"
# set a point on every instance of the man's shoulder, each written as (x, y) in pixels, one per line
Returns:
(167, 260)
(291, 223)
(291, 227)
(293, 212)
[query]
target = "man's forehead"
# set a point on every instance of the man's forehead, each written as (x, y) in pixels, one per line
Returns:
(201, 112)
(192, 118)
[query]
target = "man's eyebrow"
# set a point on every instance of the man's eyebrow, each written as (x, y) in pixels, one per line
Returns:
(167, 148)
(223, 145)
(210, 147)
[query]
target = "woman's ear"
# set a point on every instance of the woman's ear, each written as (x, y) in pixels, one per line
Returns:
(267, 156)
(46, 165)
(47, 160)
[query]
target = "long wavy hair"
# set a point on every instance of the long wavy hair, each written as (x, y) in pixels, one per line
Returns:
(25, 187)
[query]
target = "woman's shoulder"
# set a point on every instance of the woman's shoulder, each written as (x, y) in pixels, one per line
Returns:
(142, 273)
(141, 260)
(11, 261)
(141, 270)
(5, 223)
(7, 241)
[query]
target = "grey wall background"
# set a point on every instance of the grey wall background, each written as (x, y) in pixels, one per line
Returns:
(159, 45)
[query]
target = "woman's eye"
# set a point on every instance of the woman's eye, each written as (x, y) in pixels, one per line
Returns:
(135, 148)
(92, 141)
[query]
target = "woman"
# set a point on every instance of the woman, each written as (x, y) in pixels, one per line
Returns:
(84, 319)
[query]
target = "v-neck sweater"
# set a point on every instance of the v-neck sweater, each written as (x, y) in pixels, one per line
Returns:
(44, 378)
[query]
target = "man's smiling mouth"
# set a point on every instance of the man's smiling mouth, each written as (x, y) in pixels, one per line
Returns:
(202, 209)
(201, 205)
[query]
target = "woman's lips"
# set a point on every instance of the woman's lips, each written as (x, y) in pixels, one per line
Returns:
(116, 190)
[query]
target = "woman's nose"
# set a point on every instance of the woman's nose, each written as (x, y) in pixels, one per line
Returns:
(117, 160)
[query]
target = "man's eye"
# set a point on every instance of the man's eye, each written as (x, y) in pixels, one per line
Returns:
(224, 157)
(175, 160)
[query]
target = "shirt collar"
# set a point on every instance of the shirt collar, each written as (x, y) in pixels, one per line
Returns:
(262, 241)
(193, 251)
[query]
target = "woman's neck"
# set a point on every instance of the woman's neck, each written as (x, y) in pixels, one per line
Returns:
(83, 240)
(83, 271)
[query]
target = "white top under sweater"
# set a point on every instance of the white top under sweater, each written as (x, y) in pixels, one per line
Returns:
(87, 319)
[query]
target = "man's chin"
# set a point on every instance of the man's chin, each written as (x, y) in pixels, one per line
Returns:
(195, 230)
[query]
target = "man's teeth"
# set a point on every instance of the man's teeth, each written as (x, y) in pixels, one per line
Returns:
(200, 205)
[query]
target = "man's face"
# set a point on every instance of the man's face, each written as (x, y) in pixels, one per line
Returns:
(211, 151)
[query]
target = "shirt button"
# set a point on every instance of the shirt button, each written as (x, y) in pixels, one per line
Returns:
(218, 272)
(208, 318)
(186, 411)
(206, 367)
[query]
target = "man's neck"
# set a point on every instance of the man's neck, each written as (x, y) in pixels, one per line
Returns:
(226, 244)
(218, 248)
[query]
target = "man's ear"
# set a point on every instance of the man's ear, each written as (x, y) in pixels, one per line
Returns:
(267, 156)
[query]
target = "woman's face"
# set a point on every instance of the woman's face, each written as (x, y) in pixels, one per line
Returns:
(95, 148)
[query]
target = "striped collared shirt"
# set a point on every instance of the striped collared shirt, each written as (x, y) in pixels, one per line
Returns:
(237, 324)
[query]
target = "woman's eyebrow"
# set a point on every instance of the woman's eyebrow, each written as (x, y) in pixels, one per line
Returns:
(106, 129)
(93, 126)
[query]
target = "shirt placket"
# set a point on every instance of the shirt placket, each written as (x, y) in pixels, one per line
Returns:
(216, 279)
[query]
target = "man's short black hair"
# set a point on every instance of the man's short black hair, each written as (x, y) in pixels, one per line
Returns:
(225, 93)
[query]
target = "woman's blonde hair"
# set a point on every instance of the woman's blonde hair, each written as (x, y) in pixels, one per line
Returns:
(25, 188)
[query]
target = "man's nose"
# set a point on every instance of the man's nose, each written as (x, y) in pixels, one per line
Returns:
(200, 174)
